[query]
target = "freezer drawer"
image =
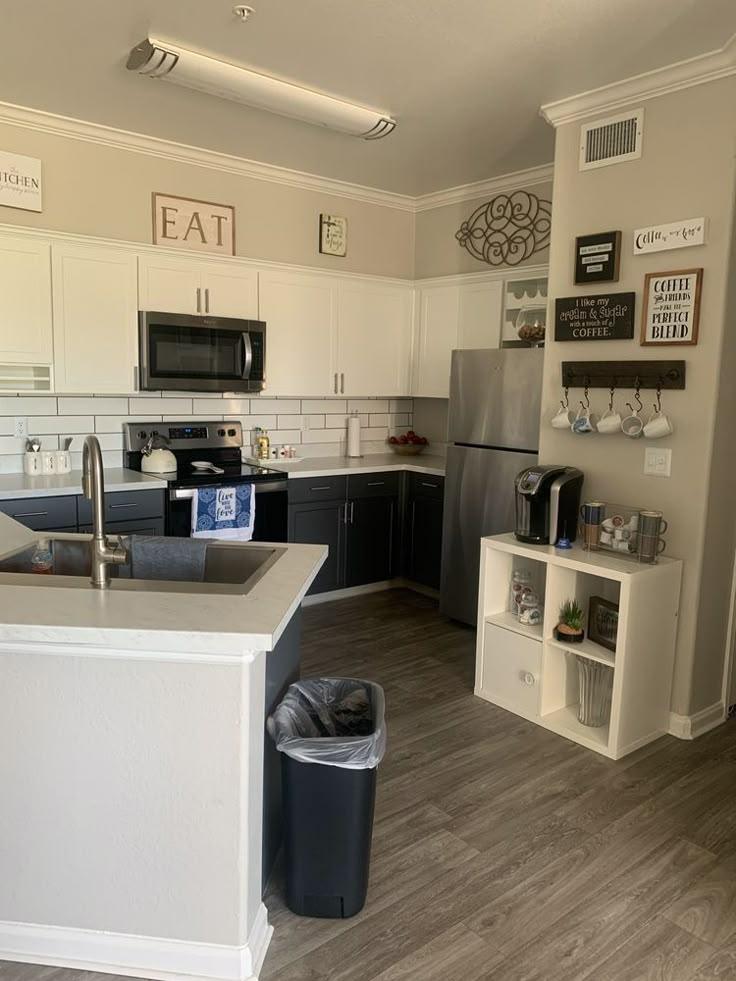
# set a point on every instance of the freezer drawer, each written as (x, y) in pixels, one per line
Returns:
(479, 501)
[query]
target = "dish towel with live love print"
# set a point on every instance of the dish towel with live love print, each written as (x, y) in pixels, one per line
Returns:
(224, 512)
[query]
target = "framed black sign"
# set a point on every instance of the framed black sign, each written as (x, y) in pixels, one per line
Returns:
(597, 258)
(606, 317)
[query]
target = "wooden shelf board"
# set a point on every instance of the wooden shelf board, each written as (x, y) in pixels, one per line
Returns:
(508, 621)
(588, 648)
(565, 722)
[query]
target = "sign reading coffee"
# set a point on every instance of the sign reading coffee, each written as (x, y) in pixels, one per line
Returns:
(597, 257)
(606, 317)
(671, 311)
(184, 223)
(20, 182)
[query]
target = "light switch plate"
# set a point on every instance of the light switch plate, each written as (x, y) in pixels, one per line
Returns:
(657, 462)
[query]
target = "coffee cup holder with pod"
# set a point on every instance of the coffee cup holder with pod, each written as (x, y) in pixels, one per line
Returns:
(630, 533)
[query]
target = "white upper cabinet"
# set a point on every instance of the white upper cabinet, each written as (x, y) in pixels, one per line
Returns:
(196, 286)
(95, 319)
(463, 316)
(25, 298)
(374, 339)
(300, 312)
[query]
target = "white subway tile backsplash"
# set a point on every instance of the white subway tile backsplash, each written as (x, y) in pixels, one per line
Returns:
(99, 405)
(7, 425)
(43, 425)
(114, 424)
(379, 433)
(286, 406)
(209, 409)
(280, 436)
(368, 405)
(328, 406)
(379, 419)
(323, 435)
(28, 405)
(340, 421)
(401, 405)
(170, 406)
(250, 422)
(290, 422)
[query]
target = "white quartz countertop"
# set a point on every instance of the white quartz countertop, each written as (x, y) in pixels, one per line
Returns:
(339, 465)
(17, 485)
(65, 615)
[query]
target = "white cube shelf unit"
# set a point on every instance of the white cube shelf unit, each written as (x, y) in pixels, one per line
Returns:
(525, 670)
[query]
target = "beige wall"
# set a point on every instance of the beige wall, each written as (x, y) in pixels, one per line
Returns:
(430, 420)
(90, 189)
(438, 253)
(687, 170)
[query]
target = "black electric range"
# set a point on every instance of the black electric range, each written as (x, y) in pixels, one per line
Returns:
(218, 445)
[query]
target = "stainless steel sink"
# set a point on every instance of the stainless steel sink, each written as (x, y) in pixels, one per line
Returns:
(230, 568)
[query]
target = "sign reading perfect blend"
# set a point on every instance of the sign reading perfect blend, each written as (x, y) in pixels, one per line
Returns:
(606, 317)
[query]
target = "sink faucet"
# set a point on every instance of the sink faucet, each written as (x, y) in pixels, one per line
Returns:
(103, 552)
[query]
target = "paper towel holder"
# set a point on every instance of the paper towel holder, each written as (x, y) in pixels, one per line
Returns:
(353, 442)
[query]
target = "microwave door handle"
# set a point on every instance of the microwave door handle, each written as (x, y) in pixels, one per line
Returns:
(247, 359)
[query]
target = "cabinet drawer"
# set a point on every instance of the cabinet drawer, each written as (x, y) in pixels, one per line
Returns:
(125, 506)
(305, 490)
(426, 485)
(42, 513)
(512, 666)
(385, 484)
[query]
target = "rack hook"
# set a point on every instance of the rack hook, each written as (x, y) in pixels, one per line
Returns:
(612, 392)
(586, 403)
(636, 395)
(658, 403)
(566, 403)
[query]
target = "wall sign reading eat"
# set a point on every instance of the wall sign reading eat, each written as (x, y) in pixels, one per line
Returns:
(202, 226)
(605, 317)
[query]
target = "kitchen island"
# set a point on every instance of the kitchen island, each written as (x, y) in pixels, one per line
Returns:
(132, 726)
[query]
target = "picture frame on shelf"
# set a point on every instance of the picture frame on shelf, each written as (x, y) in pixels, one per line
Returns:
(603, 622)
(671, 307)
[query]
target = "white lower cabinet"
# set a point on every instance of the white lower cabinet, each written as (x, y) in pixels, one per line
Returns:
(300, 312)
(467, 316)
(374, 339)
(512, 667)
(25, 288)
(95, 299)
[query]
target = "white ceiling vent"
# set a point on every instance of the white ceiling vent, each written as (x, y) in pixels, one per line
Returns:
(613, 140)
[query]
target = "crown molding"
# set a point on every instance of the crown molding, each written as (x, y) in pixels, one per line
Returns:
(479, 189)
(77, 129)
(708, 67)
(120, 139)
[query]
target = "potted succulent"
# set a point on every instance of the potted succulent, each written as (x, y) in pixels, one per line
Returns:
(570, 628)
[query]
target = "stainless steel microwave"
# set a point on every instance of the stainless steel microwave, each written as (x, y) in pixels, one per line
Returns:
(201, 354)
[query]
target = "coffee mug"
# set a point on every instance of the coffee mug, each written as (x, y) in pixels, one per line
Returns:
(592, 512)
(563, 419)
(632, 425)
(583, 422)
(652, 523)
(657, 426)
(609, 422)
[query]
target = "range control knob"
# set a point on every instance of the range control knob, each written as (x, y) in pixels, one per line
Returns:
(143, 434)
(232, 432)
(220, 432)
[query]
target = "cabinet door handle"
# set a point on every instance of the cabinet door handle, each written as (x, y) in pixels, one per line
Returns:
(131, 505)
(207, 299)
(426, 484)
(335, 383)
(352, 511)
(342, 383)
(345, 514)
(375, 483)
(326, 487)
(199, 299)
(135, 378)
(30, 514)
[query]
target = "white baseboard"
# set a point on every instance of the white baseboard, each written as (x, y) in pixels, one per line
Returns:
(134, 956)
(372, 587)
(692, 726)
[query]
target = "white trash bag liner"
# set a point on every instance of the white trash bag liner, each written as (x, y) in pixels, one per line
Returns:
(332, 721)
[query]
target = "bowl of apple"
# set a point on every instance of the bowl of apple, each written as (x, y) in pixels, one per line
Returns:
(408, 445)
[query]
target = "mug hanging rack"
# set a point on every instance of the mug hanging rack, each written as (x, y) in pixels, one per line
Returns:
(660, 375)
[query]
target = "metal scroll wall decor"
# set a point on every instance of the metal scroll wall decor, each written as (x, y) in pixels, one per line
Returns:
(507, 229)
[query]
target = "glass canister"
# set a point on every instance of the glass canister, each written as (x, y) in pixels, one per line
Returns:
(530, 609)
(521, 580)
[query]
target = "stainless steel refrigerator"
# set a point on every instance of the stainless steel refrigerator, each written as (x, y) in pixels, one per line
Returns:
(493, 431)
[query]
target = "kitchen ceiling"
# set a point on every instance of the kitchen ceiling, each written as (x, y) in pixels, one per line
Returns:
(464, 79)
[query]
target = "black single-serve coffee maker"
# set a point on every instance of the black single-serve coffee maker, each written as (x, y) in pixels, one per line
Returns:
(547, 503)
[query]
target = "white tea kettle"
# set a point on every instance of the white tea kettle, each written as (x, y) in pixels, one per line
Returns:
(156, 458)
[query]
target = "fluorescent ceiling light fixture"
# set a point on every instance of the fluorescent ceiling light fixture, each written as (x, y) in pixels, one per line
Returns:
(161, 59)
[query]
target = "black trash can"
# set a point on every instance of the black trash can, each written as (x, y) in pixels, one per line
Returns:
(332, 736)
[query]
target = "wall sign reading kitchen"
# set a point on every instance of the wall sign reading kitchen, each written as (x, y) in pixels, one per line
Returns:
(605, 317)
(20, 182)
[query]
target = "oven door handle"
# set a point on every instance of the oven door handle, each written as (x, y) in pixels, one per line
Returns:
(261, 487)
(246, 359)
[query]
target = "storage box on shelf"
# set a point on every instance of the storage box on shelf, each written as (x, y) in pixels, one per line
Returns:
(525, 670)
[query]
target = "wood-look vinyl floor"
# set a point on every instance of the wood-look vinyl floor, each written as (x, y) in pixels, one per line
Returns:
(502, 852)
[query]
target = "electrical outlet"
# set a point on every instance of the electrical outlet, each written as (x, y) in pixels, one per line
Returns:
(657, 462)
(20, 427)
